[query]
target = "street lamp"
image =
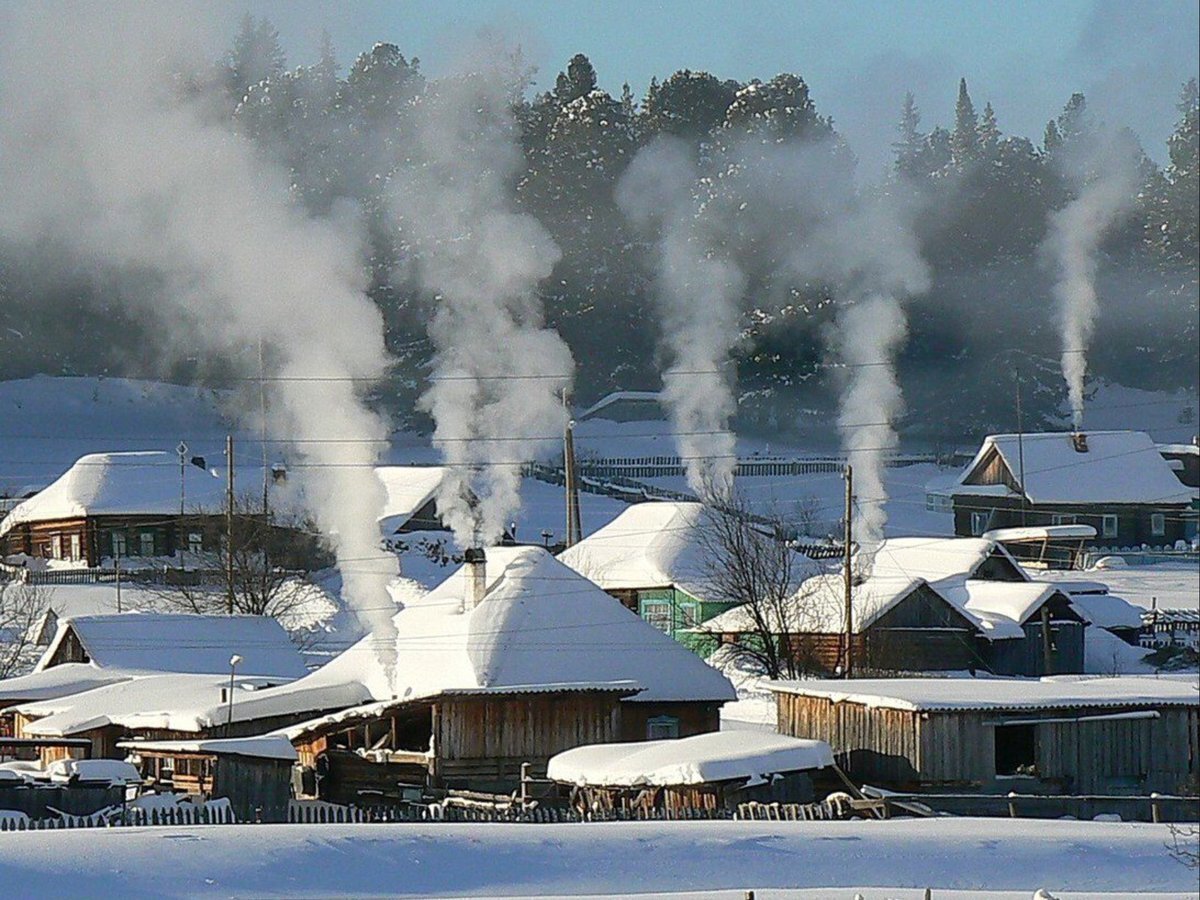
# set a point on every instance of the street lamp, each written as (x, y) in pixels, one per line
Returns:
(233, 664)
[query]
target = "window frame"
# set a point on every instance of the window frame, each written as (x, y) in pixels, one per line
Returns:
(657, 723)
(145, 537)
(979, 522)
(119, 544)
(1105, 531)
(1158, 524)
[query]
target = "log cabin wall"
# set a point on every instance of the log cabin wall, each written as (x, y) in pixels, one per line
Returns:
(691, 717)
(488, 738)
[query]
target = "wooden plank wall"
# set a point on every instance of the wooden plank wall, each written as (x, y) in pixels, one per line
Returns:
(493, 736)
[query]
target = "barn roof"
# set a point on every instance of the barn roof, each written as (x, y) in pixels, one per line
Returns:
(1056, 692)
(176, 642)
(1118, 467)
(653, 544)
(265, 747)
(1012, 601)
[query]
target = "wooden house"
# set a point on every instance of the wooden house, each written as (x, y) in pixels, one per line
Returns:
(411, 499)
(1117, 482)
(652, 558)
(710, 772)
(512, 659)
(253, 774)
(898, 623)
(125, 505)
(1064, 735)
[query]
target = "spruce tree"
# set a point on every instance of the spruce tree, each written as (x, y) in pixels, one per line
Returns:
(908, 147)
(989, 133)
(964, 142)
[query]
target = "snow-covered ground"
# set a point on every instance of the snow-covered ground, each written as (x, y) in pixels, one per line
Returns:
(1173, 585)
(622, 859)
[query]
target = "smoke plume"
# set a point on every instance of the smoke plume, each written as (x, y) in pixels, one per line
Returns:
(1072, 248)
(129, 167)
(699, 292)
(498, 374)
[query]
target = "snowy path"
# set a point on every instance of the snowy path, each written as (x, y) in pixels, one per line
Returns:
(965, 855)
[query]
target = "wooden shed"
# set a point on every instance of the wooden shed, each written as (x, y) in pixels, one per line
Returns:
(1065, 735)
(253, 774)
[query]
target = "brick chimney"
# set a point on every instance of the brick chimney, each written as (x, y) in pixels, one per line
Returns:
(1079, 439)
(476, 565)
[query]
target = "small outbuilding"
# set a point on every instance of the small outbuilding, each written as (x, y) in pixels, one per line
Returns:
(704, 772)
(1062, 735)
(253, 774)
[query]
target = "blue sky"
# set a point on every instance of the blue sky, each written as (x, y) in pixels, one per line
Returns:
(858, 56)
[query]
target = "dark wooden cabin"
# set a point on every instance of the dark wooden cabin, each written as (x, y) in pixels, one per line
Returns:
(1117, 482)
(1125, 735)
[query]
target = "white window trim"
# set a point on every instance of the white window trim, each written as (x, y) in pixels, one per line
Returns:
(1116, 525)
(1158, 524)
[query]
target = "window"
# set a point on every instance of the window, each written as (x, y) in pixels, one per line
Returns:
(76, 547)
(56, 546)
(119, 548)
(689, 614)
(662, 727)
(1062, 519)
(1158, 524)
(195, 542)
(146, 543)
(657, 613)
(1016, 749)
(979, 522)
(1109, 526)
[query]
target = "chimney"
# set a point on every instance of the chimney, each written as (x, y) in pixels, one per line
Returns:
(1079, 439)
(476, 563)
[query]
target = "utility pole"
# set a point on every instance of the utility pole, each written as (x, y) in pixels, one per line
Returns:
(847, 572)
(229, 524)
(117, 570)
(1020, 445)
(574, 528)
(182, 450)
(266, 522)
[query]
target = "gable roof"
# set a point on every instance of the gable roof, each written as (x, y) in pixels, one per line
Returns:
(939, 559)
(997, 602)
(183, 643)
(1118, 467)
(409, 488)
(652, 544)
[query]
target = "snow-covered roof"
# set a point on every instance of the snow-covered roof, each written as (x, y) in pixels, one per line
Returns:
(653, 544)
(647, 397)
(265, 747)
(176, 642)
(58, 681)
(700, 759)
(408, 489)
(188, 703)
(1104, 610)
(1060, 691)
(818, 607)
(997, 601)
(539, 624)
(937, 559)
(141, 483)
(1041, 533)
(112, 771)
(1118, 467)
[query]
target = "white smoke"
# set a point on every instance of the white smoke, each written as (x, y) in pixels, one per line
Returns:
(1072, 247)
(103, 156)
(498, 374)
(699, 292)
